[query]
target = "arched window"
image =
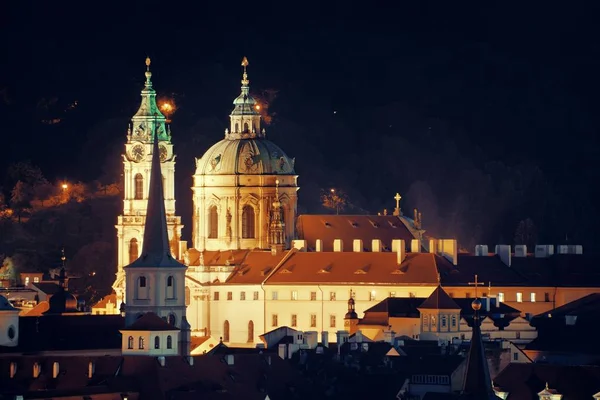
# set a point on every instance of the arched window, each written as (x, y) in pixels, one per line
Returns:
(170, 287)
(226, 331)
(248, 222)
(213, 222)
(142, 281)
(156, 342)
(169, 342)
(139, 187)
(141, 343)
(245, 127)
(187, 296)
(237, 127)
(130, 342)
(133, 250)
(250, 332)
(171, 320)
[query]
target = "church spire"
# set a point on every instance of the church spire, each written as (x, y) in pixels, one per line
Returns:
(148, 120)
(276, 226)
(245, 118)
(477, 383)
(156, 251)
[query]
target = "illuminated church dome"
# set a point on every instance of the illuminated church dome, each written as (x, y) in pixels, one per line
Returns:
(245, 150)
(238, 180)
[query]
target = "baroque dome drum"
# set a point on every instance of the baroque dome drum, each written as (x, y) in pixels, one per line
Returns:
(245, 156)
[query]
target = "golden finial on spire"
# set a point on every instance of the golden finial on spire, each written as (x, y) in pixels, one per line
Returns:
(245, 80)
(147, 63)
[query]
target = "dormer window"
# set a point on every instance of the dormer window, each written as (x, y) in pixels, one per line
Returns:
(130, 343)
(141, 343)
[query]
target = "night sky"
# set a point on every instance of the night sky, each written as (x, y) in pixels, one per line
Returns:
(370, 99)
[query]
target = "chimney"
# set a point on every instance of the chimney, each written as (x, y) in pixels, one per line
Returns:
(162, 361)
(388, 336)
(318, 245)
(338, 245)
(37, 369)
(91, 369)
(521, 250)
(376, 245)
(450, 250)
(481, 250)
(13, 369)
(357, 245)
(432, 246)
(299, 244)
(415, 246)
(544, 250)
(503, 251)
(342, 337)
(325, 338)
(282, 351)
(400, 250)
(55, 369)
(229, 359)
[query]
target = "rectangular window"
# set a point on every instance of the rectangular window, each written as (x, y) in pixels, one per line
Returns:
(468, 295)
(443, 320)
(547, 297)
(501, 297)
(26, 280)
(519, 297)
(484, 294)
(36, 279)
(242, 296)
(313, 320)
(216, 296)
(392, 294)
(294, 320)
(294, 295)
(331, 296)
(274, 320)
(372, 296)
(454, 321)
(313, 296)
(533, 297)
(229, 295)
(332, 321)
(274, 295)
(255, 295)
(515, 356)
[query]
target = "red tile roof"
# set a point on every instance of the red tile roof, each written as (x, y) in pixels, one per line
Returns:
(350, 227)
(111, 298)
(439, 300)
(256, 267)
(150, 322)
(356, 268)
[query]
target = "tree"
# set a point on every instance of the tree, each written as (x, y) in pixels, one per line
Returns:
(43, 190)
(89, 264)
(526, 233)
(334, 199)
(26, 172)
(20, 198)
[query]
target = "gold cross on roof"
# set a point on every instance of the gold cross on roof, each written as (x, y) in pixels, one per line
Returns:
(476, 283)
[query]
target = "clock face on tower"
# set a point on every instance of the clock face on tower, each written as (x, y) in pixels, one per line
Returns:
(138, 152)
(163, 153)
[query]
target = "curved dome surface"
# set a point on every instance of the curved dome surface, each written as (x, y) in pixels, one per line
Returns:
(252, 156)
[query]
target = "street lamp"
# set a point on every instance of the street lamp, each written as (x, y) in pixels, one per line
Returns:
(65, 186)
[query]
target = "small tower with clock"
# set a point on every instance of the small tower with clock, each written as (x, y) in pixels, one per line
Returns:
(137, 162)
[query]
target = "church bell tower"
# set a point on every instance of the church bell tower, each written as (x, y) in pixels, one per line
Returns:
(137, 161)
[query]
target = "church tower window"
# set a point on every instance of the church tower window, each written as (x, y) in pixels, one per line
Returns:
(141, 343)
(169, 342)
(248, 222)
(142, 289)
(213, 222)
(170, 287)
(245, 127)
(226, 331)
(171, 319)
(250, 332)
(133, 250)
(156, 342)
(139, 187)
(237, 127)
